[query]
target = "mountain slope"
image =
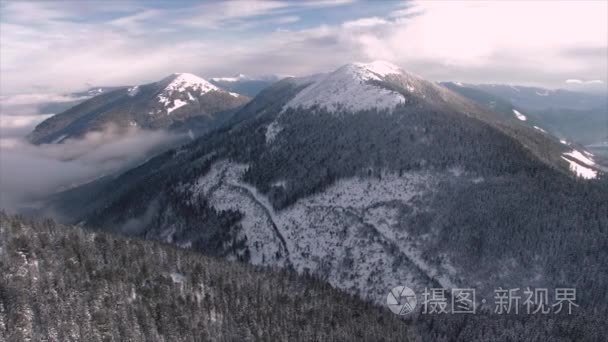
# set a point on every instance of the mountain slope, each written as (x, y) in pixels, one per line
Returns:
(571, 116)
(62, 283)
(163, 104)
(369, 177)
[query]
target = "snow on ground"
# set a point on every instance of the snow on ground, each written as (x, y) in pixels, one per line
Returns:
(381, 68)
(350, 234)
(264, 244)
(272, 130)
(177, 103)
(349, 88)
(177, 278)
(540, 129)
(519, 115)
(133, 91)
(280, 184)
(580, 170)
(580, 163)
(581, 157)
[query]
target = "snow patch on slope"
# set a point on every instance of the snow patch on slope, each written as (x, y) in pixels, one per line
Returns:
(581, 157)
(580, 170)
(176, 104)
(580, 164)
(519, 115)
(133, 91)
(272, 131)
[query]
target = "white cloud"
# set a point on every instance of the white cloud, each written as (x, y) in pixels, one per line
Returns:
(20, 121)
(364, 22)
(28, 173)
(513, 42)
(36, 98)
(576, 81)
(213, 15)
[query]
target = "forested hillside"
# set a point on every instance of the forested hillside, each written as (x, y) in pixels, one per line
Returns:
(60, 283)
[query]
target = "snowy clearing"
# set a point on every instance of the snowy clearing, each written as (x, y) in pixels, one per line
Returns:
(580, 170)
(519, 115)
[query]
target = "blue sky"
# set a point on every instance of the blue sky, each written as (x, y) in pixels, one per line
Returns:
(58, 46)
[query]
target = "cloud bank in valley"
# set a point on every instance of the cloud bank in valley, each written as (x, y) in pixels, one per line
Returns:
(28, 173)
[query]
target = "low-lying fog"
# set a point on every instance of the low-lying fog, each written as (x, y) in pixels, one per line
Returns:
(29, 173)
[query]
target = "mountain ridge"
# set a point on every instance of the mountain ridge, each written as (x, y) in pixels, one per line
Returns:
(170, 101)
(363, 199)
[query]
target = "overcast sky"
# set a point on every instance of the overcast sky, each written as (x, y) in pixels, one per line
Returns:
(70, 45)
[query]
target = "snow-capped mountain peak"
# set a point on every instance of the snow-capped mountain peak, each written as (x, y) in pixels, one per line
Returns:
(351, 87)
(183, 88)
(380, 68)
(376, 70)
(183, 81)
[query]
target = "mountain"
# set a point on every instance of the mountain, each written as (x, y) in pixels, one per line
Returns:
(164, 104)
(369, 177)
(570, 115)
(65, 284)
(243, 84)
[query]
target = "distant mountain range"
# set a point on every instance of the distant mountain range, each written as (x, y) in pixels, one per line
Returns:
(246, 85)
(169, 103)
(571, 116)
